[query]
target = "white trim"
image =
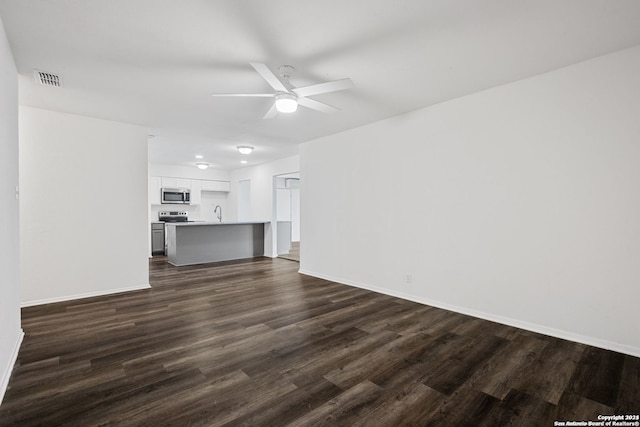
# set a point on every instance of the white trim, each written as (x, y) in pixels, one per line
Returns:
(87, 295)
(533, 327)
(4, 381)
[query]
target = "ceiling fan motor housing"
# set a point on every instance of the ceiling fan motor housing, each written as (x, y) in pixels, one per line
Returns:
(286, 71)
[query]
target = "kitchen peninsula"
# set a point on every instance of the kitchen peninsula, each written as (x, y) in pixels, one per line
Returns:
(191, 243)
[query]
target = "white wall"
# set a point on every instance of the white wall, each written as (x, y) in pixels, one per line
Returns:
(518, 204)
(243, 200)
(10, 331)
(262, 194)
(83, 219)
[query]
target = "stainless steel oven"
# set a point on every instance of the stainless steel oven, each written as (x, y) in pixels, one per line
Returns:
(166, 217)
(179, 196)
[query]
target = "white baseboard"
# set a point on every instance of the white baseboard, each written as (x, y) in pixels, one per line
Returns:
(85, 295)
(4, 381)
(533, 327)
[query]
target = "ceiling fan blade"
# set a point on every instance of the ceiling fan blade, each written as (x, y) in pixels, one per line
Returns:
(271, 78)
(318, 106)
(324, 87)
(271, 113)
(260, 95)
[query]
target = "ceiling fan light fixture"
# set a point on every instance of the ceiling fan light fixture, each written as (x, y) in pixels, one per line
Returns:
(244, 149)
(286, 103)
(202, 165)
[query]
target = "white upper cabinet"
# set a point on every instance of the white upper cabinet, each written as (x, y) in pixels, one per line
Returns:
(170, 182)
(224, 186)
(196, 195)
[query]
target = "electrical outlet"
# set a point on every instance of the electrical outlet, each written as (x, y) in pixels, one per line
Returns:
(408, 278)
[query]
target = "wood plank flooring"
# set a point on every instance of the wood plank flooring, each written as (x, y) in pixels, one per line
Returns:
(254, 343)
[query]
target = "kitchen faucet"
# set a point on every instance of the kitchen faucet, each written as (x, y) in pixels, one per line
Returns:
(219, 214)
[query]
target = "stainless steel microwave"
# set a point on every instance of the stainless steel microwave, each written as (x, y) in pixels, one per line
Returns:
(180, 196)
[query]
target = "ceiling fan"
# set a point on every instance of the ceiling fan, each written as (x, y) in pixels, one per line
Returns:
(287, 97)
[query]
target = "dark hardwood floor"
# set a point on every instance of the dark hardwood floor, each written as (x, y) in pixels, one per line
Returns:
(255, 343)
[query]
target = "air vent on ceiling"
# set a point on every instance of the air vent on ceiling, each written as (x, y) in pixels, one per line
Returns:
(47, 79)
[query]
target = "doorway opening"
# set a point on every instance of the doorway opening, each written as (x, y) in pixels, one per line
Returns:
(287, 205)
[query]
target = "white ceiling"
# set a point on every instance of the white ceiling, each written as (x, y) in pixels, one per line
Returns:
(156, 62)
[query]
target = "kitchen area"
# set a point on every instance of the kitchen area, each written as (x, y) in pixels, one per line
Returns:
(188, 227)
(179, 194)
(188, 242)
(200, 216)
(174, 205)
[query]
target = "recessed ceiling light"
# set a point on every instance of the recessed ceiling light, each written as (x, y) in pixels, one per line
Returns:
(244, 149)
(202, 165)
(199, 156)
(244, 162)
